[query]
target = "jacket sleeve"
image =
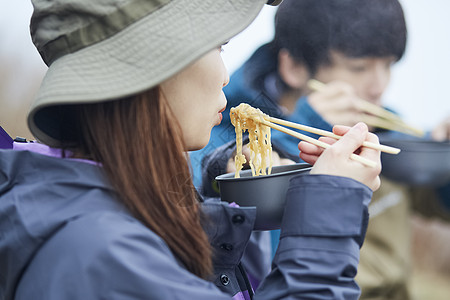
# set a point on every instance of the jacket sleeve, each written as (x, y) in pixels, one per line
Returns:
(323, 227)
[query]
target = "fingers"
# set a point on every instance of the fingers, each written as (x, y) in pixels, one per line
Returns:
(441, 133)
(246, 152)
(352, 139)
(440, 136)
(327, 140)
(308, 158)
(310, 153)
(336, 102)
(370, 153)
(365, 151)
(313, 149)
(308, 148)
(276, 161)
(336, 159)
(375, 184)
(231, 167)
(341, 129)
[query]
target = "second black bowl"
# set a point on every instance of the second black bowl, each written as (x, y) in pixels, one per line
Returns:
(420, 162)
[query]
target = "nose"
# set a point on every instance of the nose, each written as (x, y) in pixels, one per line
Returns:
(226, 80)
(378, 83)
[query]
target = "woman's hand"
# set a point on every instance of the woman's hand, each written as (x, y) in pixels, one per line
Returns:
(336, 159)
(276, 160)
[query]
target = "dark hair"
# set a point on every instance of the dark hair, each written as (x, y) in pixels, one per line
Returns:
(310, 29)
(139, 143)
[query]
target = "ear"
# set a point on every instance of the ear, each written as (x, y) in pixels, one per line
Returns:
(293, 73)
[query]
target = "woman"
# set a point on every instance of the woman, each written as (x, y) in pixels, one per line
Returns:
(131, 86)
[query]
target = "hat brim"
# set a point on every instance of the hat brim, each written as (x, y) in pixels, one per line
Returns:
(139, 57)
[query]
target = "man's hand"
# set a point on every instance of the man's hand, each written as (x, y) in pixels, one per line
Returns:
(441, 132)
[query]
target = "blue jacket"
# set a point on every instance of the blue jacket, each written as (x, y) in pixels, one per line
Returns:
(63, 235)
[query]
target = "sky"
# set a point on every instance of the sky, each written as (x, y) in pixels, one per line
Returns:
(14, 30)
(419, 89)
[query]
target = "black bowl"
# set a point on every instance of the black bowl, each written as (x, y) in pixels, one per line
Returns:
(267, 193)
(420, 163)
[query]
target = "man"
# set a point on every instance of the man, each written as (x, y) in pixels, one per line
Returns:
(349, 45)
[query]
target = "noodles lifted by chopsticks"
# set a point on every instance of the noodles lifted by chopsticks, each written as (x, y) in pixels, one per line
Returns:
(244, 117)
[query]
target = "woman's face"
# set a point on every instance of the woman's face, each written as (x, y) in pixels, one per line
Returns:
(196, 98)
(369, 76)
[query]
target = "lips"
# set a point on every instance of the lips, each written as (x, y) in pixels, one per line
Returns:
(220, 114)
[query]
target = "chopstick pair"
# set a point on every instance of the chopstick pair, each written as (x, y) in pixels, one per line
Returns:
(381, 118)
(271, 123)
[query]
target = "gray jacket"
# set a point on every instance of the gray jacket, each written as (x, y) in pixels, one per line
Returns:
(64, 236)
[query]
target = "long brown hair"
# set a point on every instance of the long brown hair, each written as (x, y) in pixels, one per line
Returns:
(139, 143)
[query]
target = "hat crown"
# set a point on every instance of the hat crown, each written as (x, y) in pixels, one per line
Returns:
(59, 27)
(111, 49)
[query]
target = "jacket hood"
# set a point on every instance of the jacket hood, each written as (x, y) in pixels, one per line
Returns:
(37, 194)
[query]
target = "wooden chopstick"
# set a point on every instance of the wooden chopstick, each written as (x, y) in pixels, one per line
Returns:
(383, 148)
(311, 140)
(386, 116)
(364, 105)
(385, 124)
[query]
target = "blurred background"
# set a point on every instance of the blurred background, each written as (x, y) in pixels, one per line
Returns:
(419, 91)
(21, 68)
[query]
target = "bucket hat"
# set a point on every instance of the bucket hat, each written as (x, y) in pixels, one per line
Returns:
(100, 50)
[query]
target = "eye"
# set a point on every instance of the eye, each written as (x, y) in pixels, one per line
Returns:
(357, 68)
(221, 46)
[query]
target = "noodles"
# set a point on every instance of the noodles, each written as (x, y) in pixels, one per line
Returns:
(244, 117)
